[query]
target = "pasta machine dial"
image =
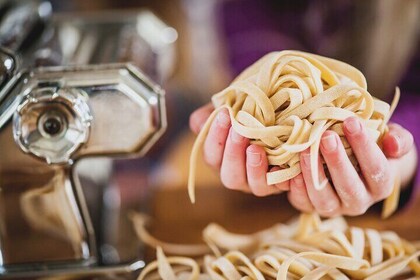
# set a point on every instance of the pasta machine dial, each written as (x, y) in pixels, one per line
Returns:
(51, 123)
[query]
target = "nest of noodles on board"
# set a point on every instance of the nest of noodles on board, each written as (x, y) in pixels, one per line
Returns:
(308, 248)
(286, 100)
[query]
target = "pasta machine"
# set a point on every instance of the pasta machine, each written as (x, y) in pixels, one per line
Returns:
(71, 88)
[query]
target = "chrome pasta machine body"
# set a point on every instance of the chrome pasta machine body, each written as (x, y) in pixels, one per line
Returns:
(52, 115)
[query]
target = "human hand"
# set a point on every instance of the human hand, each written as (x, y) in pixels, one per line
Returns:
(351, 193)
(242, 166)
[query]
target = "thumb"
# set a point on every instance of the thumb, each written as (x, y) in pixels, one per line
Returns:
(397, 141)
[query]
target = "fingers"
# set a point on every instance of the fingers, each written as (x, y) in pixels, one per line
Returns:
(199, 117)
(353, 195)
(397, 142)
(214, 145)
(298, 195)
(372, 161)
(256, 170)
(233, 171)
(325, 201)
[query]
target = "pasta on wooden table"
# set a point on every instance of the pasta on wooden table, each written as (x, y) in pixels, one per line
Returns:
(286, 100)
(308, 249)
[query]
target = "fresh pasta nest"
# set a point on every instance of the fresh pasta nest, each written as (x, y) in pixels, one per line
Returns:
(286, 100)
(307, 249)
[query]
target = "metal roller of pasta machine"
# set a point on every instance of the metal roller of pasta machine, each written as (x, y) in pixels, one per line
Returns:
(51, 117)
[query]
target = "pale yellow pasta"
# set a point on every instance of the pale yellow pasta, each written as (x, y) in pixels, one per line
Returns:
(310, 249)
(286, 100)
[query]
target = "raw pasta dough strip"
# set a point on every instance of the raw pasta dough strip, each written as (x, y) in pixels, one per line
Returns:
(194, 153)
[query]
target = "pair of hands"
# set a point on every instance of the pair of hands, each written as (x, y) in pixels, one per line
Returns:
(243, 166)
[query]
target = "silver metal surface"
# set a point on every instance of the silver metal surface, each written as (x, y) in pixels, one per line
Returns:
(41, 201)
(7, 66)
(63, 101)
(121, 272)
(52, 122)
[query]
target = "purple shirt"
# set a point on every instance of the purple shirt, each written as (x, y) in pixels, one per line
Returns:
(253, 28)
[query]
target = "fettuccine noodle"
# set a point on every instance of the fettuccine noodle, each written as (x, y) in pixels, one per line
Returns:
(309, 249)
(286, 100)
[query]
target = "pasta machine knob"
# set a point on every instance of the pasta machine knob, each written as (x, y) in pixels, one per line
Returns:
(52, 123)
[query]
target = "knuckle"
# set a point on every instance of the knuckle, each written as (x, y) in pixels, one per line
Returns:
(233, 154)
(212, 154)
(360, 137)
(329, 208)
(355, 200)
(383, 183)
(379, 172)
(328, 214)
(358, 209)
(259, 191)
(231, 183)
(383, 190)
(336, 158)
(230, 156)
(299, 203)
(352, 194)
(211, 160)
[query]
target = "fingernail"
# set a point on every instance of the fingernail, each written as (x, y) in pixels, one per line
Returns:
(352, 125)
(253, 159)
(329, 142)
(236, 137)
(397, 140)
(223, 119)
(307, 159)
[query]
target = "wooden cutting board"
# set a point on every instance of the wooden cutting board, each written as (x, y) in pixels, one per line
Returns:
(175, 219)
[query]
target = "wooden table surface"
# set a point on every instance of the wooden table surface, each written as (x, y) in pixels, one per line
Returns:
(175, 219)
